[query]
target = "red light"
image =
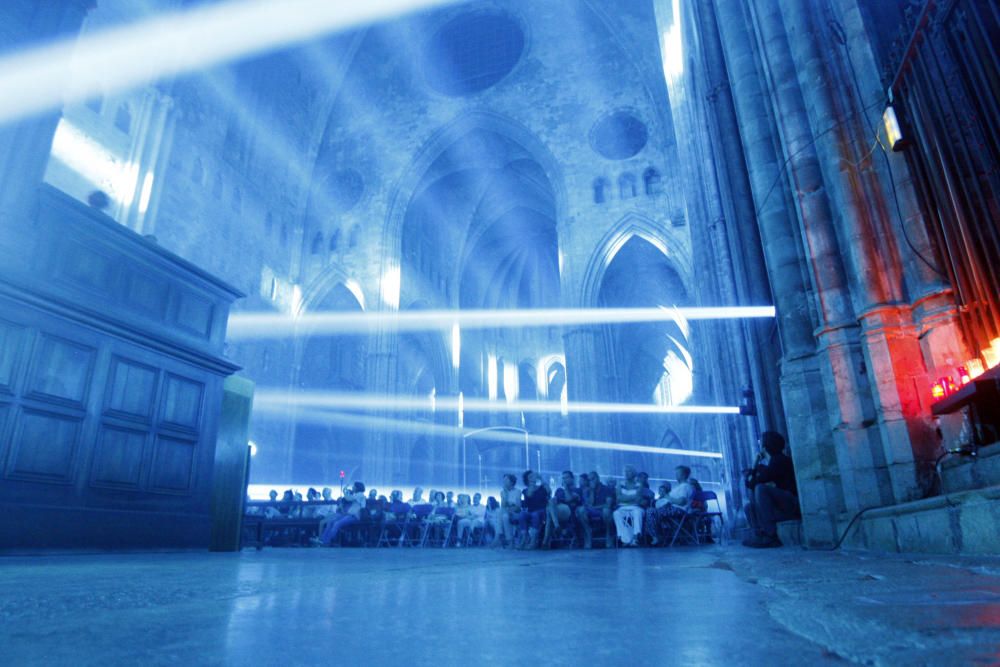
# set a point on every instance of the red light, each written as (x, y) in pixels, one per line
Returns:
(341, 474)
(937, 391)
(963, 376)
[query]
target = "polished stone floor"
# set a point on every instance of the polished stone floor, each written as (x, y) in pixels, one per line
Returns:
(711, 606)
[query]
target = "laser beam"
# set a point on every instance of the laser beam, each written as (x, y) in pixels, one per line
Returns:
(272, 325)
(328, 400)
(112, 60)
(419, 428)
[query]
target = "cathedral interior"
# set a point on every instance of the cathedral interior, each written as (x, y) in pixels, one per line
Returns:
(422, 244)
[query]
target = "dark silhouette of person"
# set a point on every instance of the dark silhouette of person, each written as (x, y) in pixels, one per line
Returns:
(775, 494)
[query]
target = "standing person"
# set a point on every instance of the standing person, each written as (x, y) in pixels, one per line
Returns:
(509, 512)
(775, 493)
(599, 502)
(628, 516)
(534, 509)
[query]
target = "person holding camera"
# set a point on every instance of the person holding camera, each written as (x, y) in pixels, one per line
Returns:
(774, 493)
(354, 502)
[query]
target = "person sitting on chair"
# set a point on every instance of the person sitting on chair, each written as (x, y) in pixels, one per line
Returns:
(598, 503)
(563, 508)
(658, 514)
(628, 516)
(681, 494)
(354, 502)
(775, 494)
(466, 519)
(509, 512)
(535, 509)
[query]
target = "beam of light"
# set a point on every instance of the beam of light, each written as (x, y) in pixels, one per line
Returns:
(93, 162)
(672, 46)
(116, 59)
(456, 346)
(271, 325)
(491, 376)
(272, 399)
(510, 383)
(422, 428)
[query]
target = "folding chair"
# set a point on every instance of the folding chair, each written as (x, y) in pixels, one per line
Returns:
(413, 529)
(394, 527)
(431, 522)
(697, 524)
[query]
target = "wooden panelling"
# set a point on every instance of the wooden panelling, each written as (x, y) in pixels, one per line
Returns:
(118, 459)
(182, 401)
(44, 446)
(11, 343)
(61, 369)
(195, 314)
(85, 267)
(131, 389)
(147, 295)
(110, 384)
(173, 464)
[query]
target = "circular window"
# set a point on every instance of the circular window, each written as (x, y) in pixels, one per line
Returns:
(619, 135)
(472, 52)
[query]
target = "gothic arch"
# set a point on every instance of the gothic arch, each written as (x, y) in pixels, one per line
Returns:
(327, 280)
(632, 225)
(402, 193)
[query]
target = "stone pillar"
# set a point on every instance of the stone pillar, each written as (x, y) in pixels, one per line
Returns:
(891, 350)
(934, 312)
(583, 373)
(805, 404)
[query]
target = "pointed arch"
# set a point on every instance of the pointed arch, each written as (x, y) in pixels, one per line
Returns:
(633, 225)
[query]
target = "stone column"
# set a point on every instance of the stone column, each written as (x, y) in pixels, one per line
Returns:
(805, 405)
(583, 373)
(934, 311)
(891, 350)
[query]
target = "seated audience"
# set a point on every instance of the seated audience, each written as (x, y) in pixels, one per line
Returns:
(534, 508)
(646, 493)
(775, 493)
(490, 517)
(354, 503)
(510, 510)
(598, 503)
(628, 516)
(564, 505)
(467, 520)
(659, 514)
(418, 497)
(680, 495)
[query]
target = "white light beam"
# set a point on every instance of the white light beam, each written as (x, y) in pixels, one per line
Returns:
(271, 325)
(401, 426)
(105, 62)
(276, 398)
